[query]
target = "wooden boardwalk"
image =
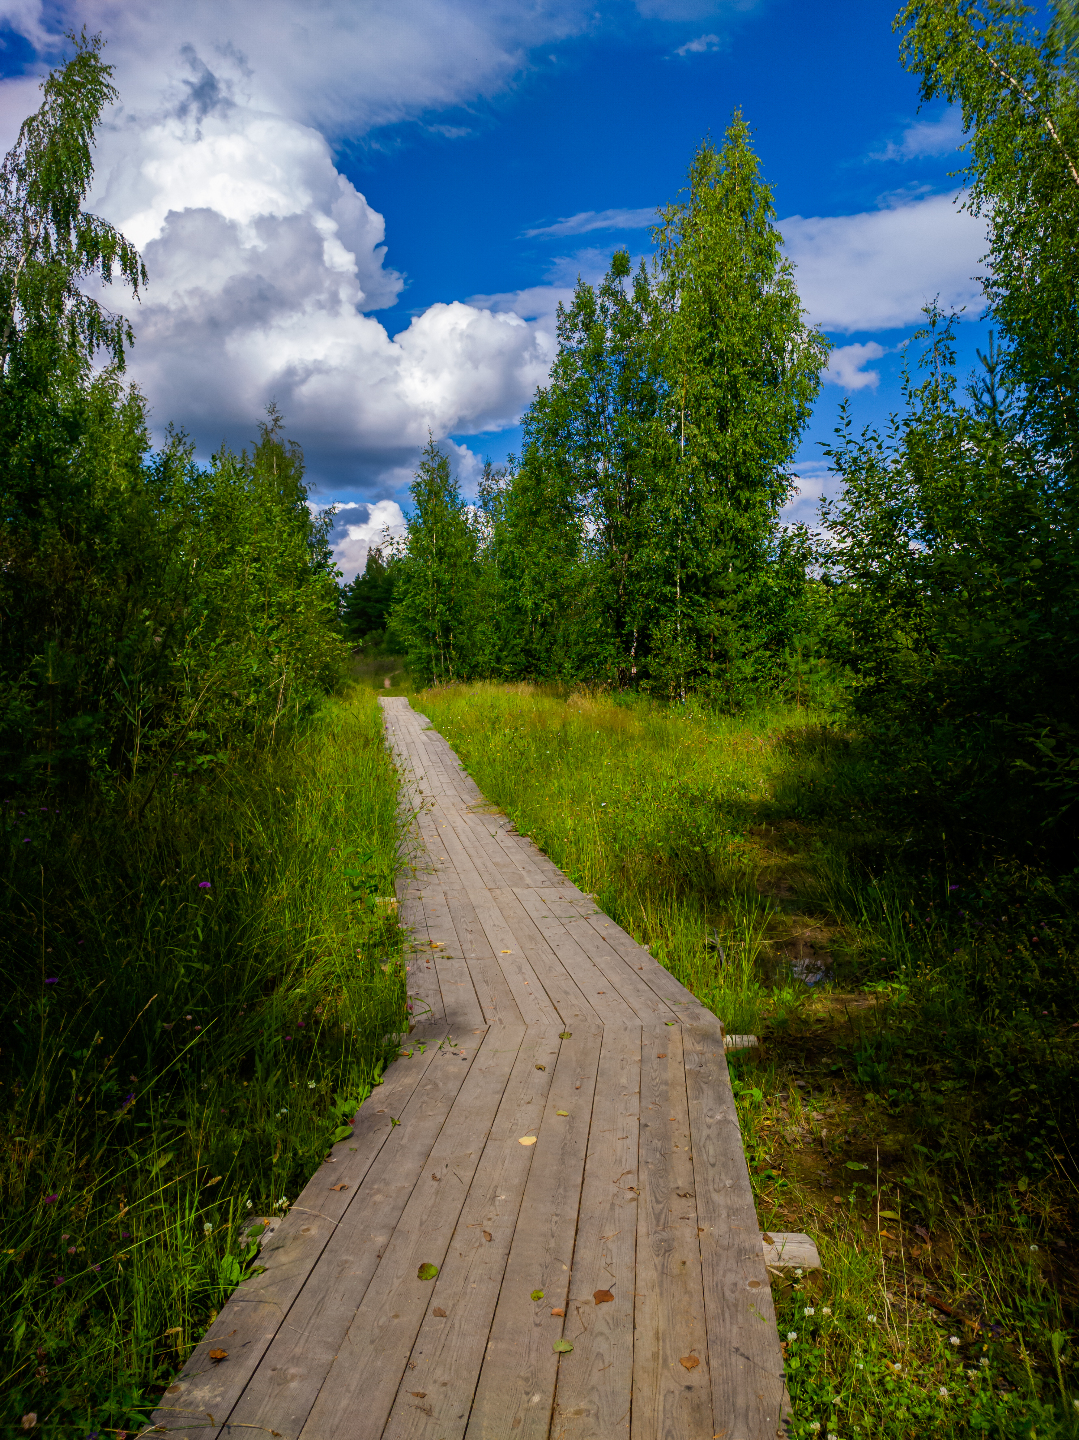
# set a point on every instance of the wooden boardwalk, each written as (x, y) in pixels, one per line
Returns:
(559, 1138)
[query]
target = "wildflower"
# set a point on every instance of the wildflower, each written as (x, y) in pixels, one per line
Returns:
(809, 1310)
(59, 1280)
(1034, 1247)
(310, 1084)
(52, 980)
(204, 884)
(50, 1199)
(872, 1319)
(95, 1267)
(207, 1228)
(943, 1392)
(814, 1425)
(249, 1204)
(29, 1420)
(984, 1363)
(792, 1334)
(824, 1310)
(125, 1235)
(798, 1273)
(832, 1435)
(953, 1339)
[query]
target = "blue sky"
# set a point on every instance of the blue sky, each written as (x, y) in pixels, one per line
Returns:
(263, 156)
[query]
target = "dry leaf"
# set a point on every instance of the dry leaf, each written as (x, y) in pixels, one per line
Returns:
(338, 1187)
(602, 1297)
(507, 952)
(214, 1180)
(219, 1354)
(438, 1310)
(558, 1310)
(689, 1361)
(487, 1234)
(562, 1347)
(561, 1112)
(419, 1394)
(541, 1067)
(527, 1140)
(663, 1056)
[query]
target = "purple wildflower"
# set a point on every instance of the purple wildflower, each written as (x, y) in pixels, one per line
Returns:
(51, 979)
(59, 1280)
(288, 1037)
(952, 887)
(127, 1102)
(95, 1267)
(204, 884)
(49, 1199)
(125, 1235)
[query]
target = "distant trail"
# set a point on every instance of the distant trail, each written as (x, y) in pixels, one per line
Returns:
(565, 1125)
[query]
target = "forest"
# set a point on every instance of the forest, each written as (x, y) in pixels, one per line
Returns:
(202, 977)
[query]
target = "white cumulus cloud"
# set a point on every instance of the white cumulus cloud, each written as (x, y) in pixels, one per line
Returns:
(353, 539)
(875, 270)
(845, 366)
(700, 46)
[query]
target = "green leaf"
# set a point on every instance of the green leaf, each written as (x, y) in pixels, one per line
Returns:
(427, 1271)
(856, 1165)
(562, 1347)
(342, 1134)
(537, 1294)
(565, 1035)
(888, 1215)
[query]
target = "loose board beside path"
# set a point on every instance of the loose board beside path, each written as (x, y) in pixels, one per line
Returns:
(567, 1155)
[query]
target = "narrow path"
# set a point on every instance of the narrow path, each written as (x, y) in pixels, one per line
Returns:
(561, 1121)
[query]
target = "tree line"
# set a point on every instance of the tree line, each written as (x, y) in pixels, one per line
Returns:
(636, 542)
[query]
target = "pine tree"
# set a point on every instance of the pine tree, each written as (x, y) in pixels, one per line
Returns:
(366, 603)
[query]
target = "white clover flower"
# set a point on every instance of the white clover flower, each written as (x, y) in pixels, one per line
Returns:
(814, 1425)
(953, 1339)
(872, 1319)
(809, 1310)
(1034, 1247)
(832, 1435)
(310, 1084)
(798, 1272)
(984, 1363)
(824, 1310)
(861, 1366)
(943, 1392)
(207, 1228)
(792, 1334)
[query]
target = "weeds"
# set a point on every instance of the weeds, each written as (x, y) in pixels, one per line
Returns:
(193, 1003)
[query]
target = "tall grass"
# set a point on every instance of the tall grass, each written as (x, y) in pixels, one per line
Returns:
(193, 999)
(651, 809)
(915, 1114)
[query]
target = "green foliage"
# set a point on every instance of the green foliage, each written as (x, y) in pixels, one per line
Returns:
(366, 603)
(192, 1005)
(436, 574)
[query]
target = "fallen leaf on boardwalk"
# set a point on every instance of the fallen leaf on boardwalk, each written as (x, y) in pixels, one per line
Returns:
(438, 1310)
(562, 1347)
(541, 1067)
(507, 952)
(602, 1297)
(527, 1140)
(427, 1271)
(219, 1354)
(338, 1187)
(558, 1310)
(689, 1361)
(487, 1234)
(662, 1055)
(562, 1112)
(419, 1394)
(537, 1294)
(565, 1035)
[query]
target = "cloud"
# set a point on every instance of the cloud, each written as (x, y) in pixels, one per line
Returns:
(598, 220)
(701, 45)
(927, 138)
(845, 366)
(875, 270)
(814, 480)
(351, 541)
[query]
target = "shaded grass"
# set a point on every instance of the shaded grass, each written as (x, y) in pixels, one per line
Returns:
(193, 1002)
(912, 1114)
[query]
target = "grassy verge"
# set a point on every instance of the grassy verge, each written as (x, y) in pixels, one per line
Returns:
(912, 1110)
(193, 1000)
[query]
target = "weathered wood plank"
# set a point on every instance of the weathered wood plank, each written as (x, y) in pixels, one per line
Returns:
(748, 1394)
(435, 1394)
(248, 1323)
(355, 1400)
(595, 1384)
(492, 988)
(671, 1390)
(565, 994)
(517, 1381)
(463, 1008)
(681, 1001)
(282, 1390)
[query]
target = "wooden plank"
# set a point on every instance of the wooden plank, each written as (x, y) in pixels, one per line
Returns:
(463, 1008)
(566, 996)
(595, 1384)
(282, 1390)
(581, 951)
(748, 1394)
(671, 1394)
(358, 1393)
(250, 1318)
(492, 988)
(515, 1393)
(789, 1250)
(659, 979)
(528, 992)
(436, 1391)
(425, 996)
